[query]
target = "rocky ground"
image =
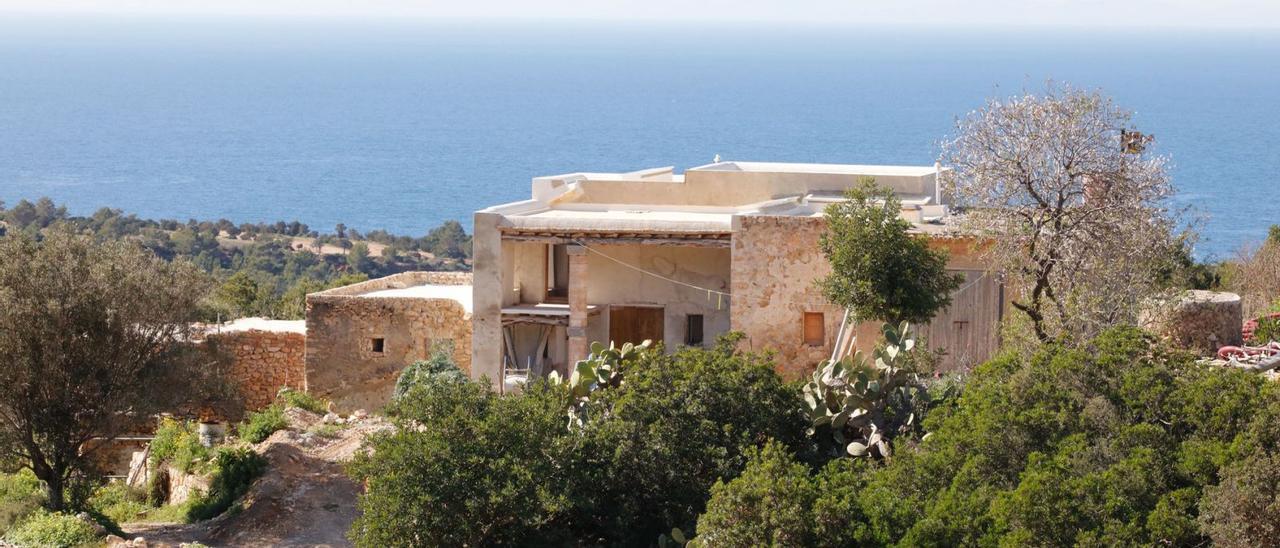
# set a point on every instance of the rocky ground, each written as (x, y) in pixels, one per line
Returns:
(303, 499)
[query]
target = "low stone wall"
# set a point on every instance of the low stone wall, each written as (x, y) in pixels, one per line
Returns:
(342, 363)
(263, 362)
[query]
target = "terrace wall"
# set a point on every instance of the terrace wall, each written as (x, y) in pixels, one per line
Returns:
(263, 362)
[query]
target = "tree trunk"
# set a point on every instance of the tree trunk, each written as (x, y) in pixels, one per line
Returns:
(54, 492)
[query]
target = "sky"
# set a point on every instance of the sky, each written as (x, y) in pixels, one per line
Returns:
(1209, 14)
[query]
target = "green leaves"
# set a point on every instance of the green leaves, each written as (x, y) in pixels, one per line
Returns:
(879, 269)
(601, 369)
(850, 397)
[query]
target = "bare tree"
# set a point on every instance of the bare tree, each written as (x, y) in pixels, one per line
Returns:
(1071, 202)
(1256, 275)
(94, 339)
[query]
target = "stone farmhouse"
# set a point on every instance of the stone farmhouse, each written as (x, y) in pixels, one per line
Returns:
(622, 257)
(684, 258)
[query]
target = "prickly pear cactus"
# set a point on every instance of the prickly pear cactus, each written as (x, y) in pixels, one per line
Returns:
(848, 397)
(601, 369)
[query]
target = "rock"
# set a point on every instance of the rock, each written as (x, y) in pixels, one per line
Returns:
(301, 418)
(359, 414)
(331, 418)
(98, 529)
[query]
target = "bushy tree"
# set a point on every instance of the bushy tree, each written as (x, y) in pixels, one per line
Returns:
(93, 341)
(770, 504)
(778, 501)
(879, 270)
(676, 425)
(1071, 204)
(358, 257)
(1122, 442)
(240, 293)
(466, 467)
(1241, 510)
(448, 240)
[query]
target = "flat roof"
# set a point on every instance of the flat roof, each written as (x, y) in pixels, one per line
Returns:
(834, 169)
(637, 218)
(262, 324)
(459, 293)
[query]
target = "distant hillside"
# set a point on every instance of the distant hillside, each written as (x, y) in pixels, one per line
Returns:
(263, 269)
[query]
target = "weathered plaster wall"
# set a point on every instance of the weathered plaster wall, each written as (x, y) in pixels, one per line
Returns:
(775, 264)
(525, 272)
(487, 297)
(610, 283)
(341, 364)
(263, 362)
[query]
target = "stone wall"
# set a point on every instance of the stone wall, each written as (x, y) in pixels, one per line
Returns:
(263, 362)
(775, 263)
(343, 324)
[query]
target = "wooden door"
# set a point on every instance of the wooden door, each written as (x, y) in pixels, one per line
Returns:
(968, 329)
(635, 324)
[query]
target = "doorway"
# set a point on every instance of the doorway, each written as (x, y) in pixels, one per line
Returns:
(635, 324)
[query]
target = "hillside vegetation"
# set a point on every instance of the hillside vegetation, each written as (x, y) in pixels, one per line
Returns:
(262, 269)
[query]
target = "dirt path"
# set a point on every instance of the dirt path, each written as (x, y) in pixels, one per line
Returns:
(303, 499)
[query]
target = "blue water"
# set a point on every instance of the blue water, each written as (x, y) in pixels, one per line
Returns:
(402, 125)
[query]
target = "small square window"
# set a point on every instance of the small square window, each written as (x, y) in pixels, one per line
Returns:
(378, 345)
(693, 332)
(815, 333)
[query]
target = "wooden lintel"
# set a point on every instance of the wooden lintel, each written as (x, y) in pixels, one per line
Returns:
(547, 320)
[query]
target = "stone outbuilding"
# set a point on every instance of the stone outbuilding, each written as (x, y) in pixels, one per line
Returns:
(360, 337)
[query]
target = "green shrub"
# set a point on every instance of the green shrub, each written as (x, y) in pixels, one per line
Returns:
(426, 374)
(778, 502)
(177, 444)
(770, 504)
(467, 467)
(234, 470)
(21, 494)
(1110, 445)
(289, 397)
(119, 503)
(1242, 509)
(326, 430)
(482, 470)
(676, 425)
(54, 530)
(261, 424)
(1267, 330)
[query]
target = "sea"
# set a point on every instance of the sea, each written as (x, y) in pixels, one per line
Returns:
(401, 125)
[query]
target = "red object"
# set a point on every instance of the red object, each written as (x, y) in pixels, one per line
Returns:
(1252, 325)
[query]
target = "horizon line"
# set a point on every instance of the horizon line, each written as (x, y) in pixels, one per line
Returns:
(674, 22)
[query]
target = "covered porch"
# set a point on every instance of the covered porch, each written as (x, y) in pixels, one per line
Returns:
(571, 288)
